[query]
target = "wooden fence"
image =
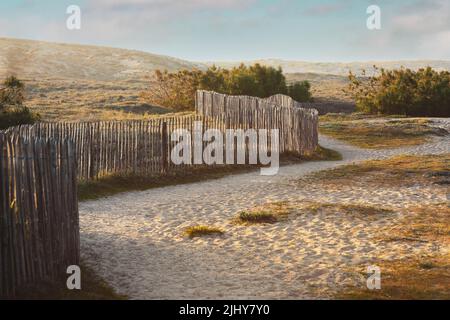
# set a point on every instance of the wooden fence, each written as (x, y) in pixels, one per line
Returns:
(39, 226)
(298, 127)
(143, 147)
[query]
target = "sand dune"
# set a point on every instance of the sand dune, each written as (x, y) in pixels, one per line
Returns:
(135, 239)
(37, 59)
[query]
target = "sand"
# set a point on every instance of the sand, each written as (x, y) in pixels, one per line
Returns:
(134, 240)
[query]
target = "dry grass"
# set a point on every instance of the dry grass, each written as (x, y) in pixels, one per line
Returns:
(324, 87)
(200, 231)
(269, 213)
(84, 100)
(348, 209)
(343, 117)
(399, 170)
(423, 224)
(381, 134)
(421, 278)
(279, 211)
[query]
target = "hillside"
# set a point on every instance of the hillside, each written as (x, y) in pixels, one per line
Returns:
(79, 82)
(338, 68)
(36, 59)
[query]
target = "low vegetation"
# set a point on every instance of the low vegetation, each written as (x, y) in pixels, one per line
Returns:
(323, 154)
(12, 110)
(420, 277)
(177, 90)
(346, 208)
(268, 213)
(340, 117)
(423, 224)
(391, 133)
(279, 211)
(200, 231)
(393, 171)
(423, 278)
(425, 92)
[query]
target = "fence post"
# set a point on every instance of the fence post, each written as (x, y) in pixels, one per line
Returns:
(164, 147)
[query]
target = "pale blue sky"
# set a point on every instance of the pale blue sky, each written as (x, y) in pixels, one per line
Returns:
(320, 30)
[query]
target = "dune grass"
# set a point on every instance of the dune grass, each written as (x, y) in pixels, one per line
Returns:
(202, 230)
(397, 170)
(425, 278)
(268, 213)
(381, 134)
(346, 208)
(419, 277)
(252, 217)
(279, 211)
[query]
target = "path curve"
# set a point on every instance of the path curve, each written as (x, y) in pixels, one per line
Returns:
(134, 239)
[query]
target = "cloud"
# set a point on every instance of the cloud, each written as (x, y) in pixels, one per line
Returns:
(324, 9)
(416, 30)
(426, 26)
(167, 6)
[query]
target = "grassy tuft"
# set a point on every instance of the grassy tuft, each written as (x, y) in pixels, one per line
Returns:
(269, 213)
(257, 217)
(200, 231)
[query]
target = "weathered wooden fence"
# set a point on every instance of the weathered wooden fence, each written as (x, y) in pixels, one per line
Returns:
(298, 127)
(39, 227)
(129, 147)
(143, 147)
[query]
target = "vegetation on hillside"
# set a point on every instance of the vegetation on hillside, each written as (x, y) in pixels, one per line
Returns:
(12, 110)
(425, 92)
(177, 90)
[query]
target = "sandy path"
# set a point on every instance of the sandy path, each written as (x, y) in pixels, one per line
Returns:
(134, 239)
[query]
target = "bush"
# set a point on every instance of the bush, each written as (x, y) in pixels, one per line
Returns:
(12, 110)
(14, 116)
(300, 91)
(177, 90)
(425, 92)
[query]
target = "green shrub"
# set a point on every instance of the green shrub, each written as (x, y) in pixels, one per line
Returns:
(177, 90)
(300, 91)
(425, 92)
(12, 110)
(14, 116)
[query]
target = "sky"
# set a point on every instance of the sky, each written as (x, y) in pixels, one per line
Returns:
(236, 30)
